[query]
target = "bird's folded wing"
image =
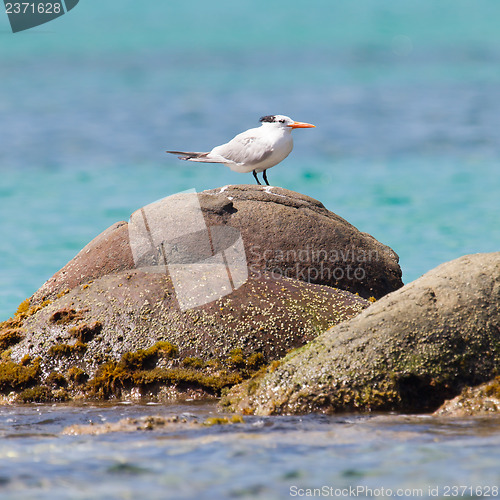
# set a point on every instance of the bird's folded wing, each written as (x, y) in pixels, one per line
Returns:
(244, 150)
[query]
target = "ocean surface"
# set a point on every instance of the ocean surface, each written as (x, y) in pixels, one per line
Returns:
(384, 456)
(406, 99)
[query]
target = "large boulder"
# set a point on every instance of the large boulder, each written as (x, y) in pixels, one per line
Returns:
(193, 294)
(409, 351)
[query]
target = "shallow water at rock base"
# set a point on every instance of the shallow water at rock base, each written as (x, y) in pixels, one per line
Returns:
(52, 452)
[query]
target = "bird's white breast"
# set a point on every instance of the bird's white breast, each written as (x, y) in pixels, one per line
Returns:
(282, 145)
(256, 149)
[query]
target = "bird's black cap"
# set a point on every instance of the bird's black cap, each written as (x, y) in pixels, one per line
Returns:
(268, 119)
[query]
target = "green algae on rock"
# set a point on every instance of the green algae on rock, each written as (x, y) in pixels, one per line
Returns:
(42, 394)
(409, 351)
(235, 419)
(18, 376)
(155, 373)
(150, 373)
(67, 350)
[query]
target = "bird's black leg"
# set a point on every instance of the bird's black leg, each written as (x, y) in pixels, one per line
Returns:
(256, 178)
(265, 177)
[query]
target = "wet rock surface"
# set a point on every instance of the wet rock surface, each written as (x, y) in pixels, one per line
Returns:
(409, 351)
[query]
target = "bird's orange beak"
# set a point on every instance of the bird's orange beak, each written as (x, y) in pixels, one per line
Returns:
(301, 125)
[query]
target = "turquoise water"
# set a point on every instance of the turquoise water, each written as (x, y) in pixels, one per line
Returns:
(406, 99)
(264, 458)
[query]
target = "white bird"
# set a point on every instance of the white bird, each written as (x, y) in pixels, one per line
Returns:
(255, 150)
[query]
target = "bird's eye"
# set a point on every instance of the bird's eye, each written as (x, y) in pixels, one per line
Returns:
(282, 121)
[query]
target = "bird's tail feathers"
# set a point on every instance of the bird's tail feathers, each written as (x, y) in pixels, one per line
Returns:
(192, 156)
(186, 155)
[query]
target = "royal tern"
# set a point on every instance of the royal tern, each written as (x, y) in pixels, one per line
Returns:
(255, 150)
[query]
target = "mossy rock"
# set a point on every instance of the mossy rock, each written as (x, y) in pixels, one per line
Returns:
(408, 352)
(130, 312)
